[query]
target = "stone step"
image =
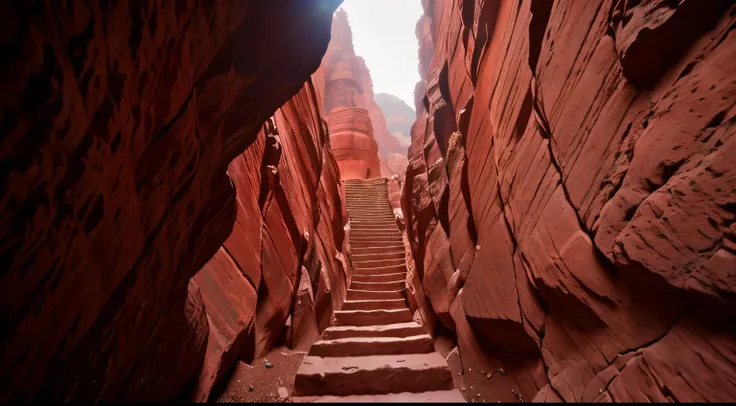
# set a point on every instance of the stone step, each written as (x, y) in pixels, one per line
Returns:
(355, 294)
(369, 213)
(367, 242)
(374, 304)
(369, 186)
(373, 263)
(368, 237)
(370, 209)
(389, 231)
(373, 220)
(361, 346)
(379, 217)
(378, 286)
(378, 249)
(375, 225)
(367, 202)
(439, 396)
(373, 374)
(361, 249)
(411, 328)
(372, 317)
(382, 270)
(364, 202)
(389, 277)
(381, 255)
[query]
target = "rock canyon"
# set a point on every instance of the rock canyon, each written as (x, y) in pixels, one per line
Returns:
(187, 186)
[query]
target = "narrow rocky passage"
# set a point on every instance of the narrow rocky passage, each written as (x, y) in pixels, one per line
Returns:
(374, 351)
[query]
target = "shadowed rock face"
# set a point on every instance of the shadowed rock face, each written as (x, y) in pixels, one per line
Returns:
(570, 197)
(119, 123)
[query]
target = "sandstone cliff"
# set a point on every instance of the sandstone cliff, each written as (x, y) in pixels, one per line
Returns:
(119, 123)
(571, 196)
(284, 258)
(356, 121)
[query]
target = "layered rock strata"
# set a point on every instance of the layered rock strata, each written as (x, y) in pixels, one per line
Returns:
(280, 274)
(357, 126)
(571, 196)
(119, 123)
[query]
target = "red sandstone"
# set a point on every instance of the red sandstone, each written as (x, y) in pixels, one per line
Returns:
(569, 200)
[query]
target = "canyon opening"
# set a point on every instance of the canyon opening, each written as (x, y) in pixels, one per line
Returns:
(375, 201)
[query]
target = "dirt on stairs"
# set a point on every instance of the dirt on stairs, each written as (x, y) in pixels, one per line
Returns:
(375, 351)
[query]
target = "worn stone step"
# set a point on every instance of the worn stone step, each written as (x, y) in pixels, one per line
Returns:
(369, 220)
(389, 277)
(374, 304)
(365, 204)
(372, 317)
(388, 220)
(383, 217)
(378, 249)
(378, 232)
(361, 346)
(384, 246)
(375, 225)
(368, 236)
(378, 286)
(367, 193)
(367, 212)
(411, 328)
(381, 255)
(439, 396)
(370, 212)
(368, 241)
(355, 294)
(374, 374)
(382, 270)
(365, 237)
(377, 262)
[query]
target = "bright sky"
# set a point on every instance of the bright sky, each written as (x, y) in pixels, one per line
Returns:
(383, 34)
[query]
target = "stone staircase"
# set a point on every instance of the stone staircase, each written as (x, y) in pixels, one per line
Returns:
(375, 352)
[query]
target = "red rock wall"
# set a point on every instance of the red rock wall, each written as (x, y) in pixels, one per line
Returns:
(283, 258)
(571, 196)
(119, 123)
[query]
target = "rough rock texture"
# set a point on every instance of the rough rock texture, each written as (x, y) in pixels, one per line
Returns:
(119, 123)
(397, 163)
(282, 260)
(357, 125)
(399, 117)
(570, 197)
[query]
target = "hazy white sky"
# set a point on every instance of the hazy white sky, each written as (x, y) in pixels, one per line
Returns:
(383, 34)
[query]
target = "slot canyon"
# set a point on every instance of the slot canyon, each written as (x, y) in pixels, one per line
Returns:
(208, 201)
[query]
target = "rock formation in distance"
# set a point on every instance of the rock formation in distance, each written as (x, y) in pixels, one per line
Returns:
(358, 132)
(399, 117)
